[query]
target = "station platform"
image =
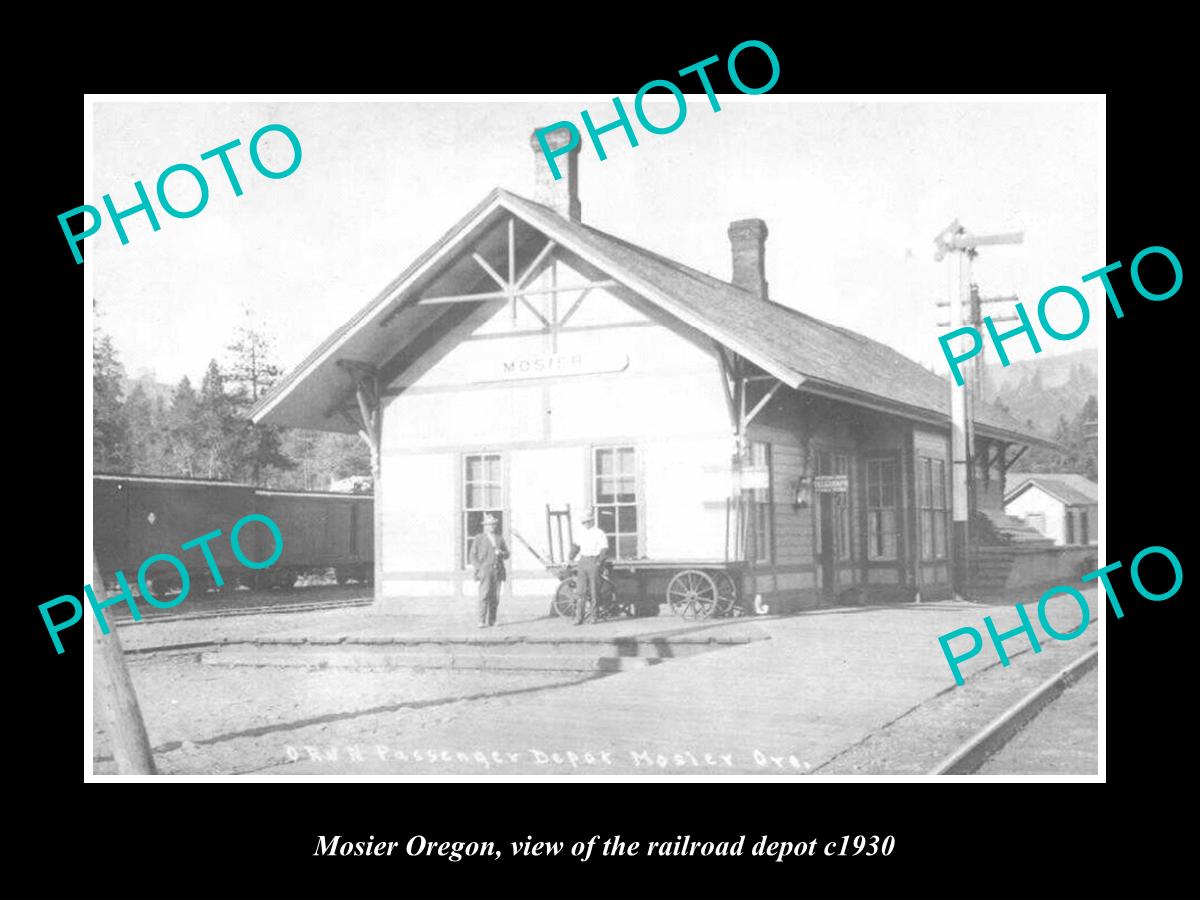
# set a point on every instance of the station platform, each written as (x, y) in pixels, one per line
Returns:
(762, 695)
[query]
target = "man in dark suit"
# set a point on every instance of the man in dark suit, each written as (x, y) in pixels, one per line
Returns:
(488, 553)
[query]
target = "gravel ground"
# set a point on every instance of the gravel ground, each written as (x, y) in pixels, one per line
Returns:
(920, 739)
(214, 720)
(1061, 740)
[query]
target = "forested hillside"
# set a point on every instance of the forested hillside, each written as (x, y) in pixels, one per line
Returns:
(1057, 396)
(145, 428)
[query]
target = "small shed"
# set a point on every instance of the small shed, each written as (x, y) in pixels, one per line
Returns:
(1061, 505)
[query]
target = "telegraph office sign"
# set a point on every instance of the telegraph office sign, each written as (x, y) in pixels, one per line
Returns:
(831, 484)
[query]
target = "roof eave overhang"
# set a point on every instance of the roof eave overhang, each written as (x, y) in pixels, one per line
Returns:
(1049, 492)
(919, 413)
(383, 304)
(386, 303)
(1018, 437)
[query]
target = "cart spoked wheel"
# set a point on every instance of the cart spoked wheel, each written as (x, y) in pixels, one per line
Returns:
(726, 594)
(692, 594)
(565, 598)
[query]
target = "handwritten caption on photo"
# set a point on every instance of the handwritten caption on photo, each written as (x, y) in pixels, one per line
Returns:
(572, 759)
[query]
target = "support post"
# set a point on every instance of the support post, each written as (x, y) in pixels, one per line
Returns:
(118, 701)
(980, 360)
(370, 428)
(959, 442)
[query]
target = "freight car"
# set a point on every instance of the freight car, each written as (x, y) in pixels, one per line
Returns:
(137, 516)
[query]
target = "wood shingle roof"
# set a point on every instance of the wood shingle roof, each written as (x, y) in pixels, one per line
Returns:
(803, 351)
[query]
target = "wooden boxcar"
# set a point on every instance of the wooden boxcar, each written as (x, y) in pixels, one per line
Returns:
(138, 516)
(320, 530)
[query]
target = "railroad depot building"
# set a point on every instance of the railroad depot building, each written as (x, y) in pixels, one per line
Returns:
(527, 360)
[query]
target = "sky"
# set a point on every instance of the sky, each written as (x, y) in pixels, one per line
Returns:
(853, 194)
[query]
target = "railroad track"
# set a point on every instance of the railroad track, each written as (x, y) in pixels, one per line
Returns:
(298, 606)
(969, 757)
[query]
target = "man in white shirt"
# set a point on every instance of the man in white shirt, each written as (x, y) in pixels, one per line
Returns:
(593, 549)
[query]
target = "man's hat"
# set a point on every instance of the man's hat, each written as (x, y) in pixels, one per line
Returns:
(589, 518)
(489, 519)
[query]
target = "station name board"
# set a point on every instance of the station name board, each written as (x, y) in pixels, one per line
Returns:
(552, 365)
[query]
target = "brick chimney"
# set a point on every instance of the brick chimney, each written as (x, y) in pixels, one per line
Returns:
(747, 238)
(562, 194)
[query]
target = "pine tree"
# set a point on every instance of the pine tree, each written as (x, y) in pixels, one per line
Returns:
(216, 432)
(110, 431)
(181, 450)
(144, 433)
(249, 373)
(251, 370)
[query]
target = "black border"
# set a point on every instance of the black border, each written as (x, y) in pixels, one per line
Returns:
(1148, 398)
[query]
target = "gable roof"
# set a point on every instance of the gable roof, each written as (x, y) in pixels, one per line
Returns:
(1066, 487)
(800, 350)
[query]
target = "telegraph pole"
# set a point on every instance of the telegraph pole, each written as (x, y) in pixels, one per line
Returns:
(979, 362)
(956, 239)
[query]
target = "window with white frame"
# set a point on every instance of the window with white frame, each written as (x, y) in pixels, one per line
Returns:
(615, 497)
(483, 493)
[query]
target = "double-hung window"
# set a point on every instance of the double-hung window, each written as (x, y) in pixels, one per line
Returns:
(882, 493)
(758, 504)
(931, 501)
(483, 493)
(615, 496)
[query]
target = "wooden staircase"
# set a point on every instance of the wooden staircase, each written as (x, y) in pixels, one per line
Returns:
(996, 541)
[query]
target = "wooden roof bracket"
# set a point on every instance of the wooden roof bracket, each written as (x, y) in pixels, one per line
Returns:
(1008, 464)
(365, 378)
(735, 381)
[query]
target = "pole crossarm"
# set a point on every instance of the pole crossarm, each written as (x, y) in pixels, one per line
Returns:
(967, 241)
(1011, 298)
